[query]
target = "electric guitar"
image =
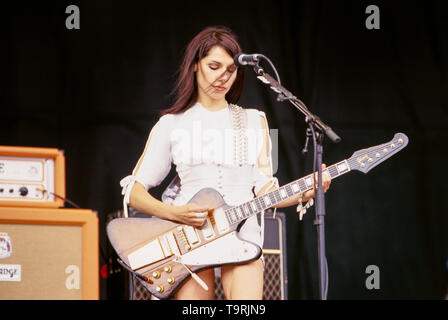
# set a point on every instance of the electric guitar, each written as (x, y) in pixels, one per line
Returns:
(163, 254)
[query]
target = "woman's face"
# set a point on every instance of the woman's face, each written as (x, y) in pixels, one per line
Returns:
(215, 74)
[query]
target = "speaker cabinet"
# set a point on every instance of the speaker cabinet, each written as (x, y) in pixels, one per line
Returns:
(275, 269)
(48, 254)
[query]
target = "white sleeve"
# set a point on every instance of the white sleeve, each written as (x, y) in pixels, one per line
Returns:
(155, 162)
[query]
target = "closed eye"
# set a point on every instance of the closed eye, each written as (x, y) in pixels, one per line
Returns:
(215, 65)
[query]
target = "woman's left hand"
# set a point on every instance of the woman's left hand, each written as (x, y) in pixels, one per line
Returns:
(326, 181)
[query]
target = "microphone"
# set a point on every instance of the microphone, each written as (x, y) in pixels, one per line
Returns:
(243, 59)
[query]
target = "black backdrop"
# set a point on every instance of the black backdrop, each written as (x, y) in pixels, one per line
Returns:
(96, 92)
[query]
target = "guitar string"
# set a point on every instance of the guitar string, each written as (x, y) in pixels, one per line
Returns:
(276, 193)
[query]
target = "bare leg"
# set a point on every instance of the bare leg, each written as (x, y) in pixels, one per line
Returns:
(191, 290)
(243, 282)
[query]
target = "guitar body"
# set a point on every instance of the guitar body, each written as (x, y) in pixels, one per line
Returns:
(160, 250)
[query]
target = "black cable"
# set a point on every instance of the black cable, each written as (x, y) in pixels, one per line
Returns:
(61, 197)
(273, 68)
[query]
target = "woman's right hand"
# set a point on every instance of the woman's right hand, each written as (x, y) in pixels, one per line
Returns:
(191, 214)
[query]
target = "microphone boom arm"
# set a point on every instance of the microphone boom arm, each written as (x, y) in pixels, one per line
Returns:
(284, 94)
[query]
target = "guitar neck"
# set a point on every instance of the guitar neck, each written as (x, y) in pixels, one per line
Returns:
(241, 212)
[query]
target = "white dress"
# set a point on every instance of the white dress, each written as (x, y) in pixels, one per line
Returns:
(201, 145)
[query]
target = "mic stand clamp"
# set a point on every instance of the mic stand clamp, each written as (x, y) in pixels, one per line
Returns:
(258, 70)
(308, 134)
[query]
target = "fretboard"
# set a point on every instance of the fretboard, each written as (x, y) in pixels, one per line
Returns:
(243, 211)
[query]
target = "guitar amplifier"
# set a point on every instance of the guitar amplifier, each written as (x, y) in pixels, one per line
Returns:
(32, 177)
(275, 270)
(48, 254)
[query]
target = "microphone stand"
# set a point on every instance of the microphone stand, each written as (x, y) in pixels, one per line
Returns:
(319, 130)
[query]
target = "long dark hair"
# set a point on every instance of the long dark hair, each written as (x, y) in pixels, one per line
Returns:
(185, 91)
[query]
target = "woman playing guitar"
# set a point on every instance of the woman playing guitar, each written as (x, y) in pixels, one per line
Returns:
(215, 144)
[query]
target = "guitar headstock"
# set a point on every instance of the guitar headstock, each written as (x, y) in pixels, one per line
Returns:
(365, 160)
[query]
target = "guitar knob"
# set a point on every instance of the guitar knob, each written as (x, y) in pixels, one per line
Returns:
(170, 280)
(156, 274)
(160, 289)
(168, 269)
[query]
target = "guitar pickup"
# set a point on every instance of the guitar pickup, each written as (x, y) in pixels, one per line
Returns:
(191, 235)
(207, 229)
(221, 220)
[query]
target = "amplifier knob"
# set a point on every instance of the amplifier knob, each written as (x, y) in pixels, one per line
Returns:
(23, 191)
